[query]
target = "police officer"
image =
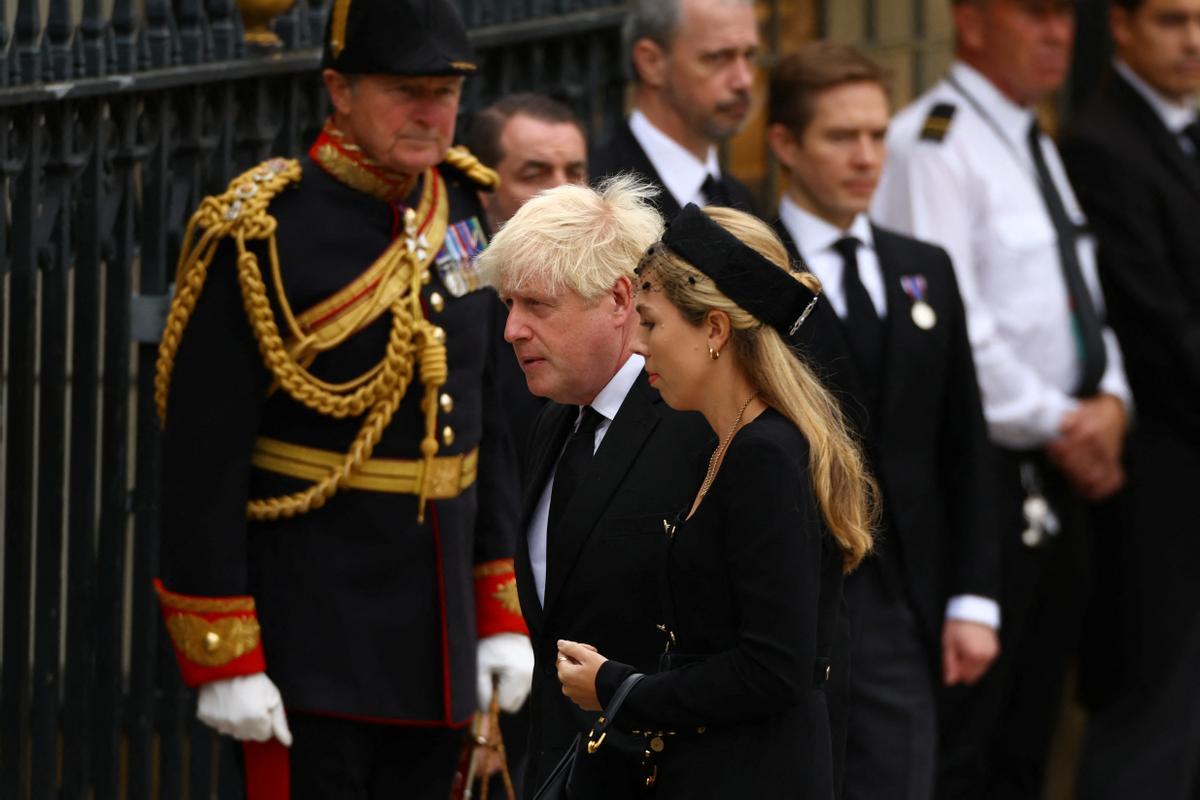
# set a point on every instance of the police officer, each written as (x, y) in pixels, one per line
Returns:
(970, 169)
(339, 508)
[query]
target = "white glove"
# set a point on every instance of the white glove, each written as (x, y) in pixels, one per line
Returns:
(510, 656)
(247, 707)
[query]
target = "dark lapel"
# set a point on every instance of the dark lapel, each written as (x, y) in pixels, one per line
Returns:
(823, 343)
(627, 154)
(904, 338)
(1135, 108)
(634, 422)
(551, 431)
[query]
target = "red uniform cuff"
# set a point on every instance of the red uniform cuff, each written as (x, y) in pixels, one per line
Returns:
(213, 637)
(497, 609)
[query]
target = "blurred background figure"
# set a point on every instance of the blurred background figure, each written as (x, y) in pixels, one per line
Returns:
(534, 142)
(890, 340)
(1134, 157)
(692, 64)
(970, 169)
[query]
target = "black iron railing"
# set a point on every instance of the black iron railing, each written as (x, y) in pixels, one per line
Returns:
(112, 127)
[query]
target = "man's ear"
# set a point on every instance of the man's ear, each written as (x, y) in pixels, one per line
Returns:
(783, 144)
(719, 328)
(969, 26)
(650, 61)
(622, 299)
(339, 88)
(1118, 24)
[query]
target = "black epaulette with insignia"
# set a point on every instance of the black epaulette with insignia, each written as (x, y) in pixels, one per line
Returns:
(937, 124)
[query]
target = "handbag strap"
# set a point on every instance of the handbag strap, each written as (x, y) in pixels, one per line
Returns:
(600, 730)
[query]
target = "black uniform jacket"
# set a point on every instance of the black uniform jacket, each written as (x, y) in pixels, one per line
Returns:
(927, 444)
(602, 572)
(364, 612)
(746, 574)
(623, 153)
(1141, 192)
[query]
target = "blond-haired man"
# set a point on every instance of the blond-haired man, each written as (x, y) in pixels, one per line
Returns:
(608, 460)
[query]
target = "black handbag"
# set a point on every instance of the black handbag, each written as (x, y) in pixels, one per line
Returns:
(557, 785)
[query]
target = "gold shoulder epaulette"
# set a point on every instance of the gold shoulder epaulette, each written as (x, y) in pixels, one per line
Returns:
(242, 208)
(461, 159)
(937, 124)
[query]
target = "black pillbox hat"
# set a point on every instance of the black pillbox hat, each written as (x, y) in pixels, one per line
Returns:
(397, 37)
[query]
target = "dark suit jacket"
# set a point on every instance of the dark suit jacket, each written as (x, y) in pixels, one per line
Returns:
(928, 447)
(1141, 193)
(603, 567)
(623, 153)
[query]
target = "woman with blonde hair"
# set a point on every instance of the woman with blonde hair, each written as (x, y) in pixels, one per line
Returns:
(752, 589)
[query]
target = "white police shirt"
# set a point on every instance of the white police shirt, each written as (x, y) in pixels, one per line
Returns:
(973, 190)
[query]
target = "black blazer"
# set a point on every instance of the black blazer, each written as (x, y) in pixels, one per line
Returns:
(623, 153)
(603, 571)
(755, 581)
(1141, 193)
(928, 448)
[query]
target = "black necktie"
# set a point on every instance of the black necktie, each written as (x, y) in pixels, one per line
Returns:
(863, 326)
(1088, 337)
(1192, 134)
(572, 466)
(715, 191)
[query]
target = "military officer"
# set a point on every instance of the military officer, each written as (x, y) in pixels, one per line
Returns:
(338, 507)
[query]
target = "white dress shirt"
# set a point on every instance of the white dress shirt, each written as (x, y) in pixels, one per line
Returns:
(1175, 116)
(607, 403)
(814, 238)
(975, 193)
(681, 172)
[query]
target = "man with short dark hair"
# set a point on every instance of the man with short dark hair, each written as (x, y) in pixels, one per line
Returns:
(692, 64)
(1134, 157)
(534, 142)
(970, 169)
(890, 340)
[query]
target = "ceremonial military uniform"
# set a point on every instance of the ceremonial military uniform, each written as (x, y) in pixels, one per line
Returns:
(339, 500)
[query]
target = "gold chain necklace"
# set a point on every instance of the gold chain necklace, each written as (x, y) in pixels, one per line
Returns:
(715, 461)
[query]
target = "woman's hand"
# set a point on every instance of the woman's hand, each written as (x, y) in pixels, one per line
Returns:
(577, 668)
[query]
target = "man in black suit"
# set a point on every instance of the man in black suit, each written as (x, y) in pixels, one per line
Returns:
(1134, 157)
(890, 340)
(608, 461)
(692, 66)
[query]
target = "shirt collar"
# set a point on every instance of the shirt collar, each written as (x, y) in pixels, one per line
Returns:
(1013, 120)
(1176, 116)
(681, 172)
(608, 402)
(814, 235)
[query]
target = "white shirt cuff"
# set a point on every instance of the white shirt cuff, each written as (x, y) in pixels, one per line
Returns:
(973, 608)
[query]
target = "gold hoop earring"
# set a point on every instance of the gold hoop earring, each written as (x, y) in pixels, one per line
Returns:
(713, 354)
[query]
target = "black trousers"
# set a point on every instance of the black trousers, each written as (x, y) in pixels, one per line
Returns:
(891, 742)
(994, 735)
(339, 759)
(1140, 666)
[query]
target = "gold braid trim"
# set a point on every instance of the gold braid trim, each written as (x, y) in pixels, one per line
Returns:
(241, 213)
(462, 159)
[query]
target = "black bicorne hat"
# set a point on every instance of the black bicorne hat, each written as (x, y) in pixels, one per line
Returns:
(741, 273)
(397, 37)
